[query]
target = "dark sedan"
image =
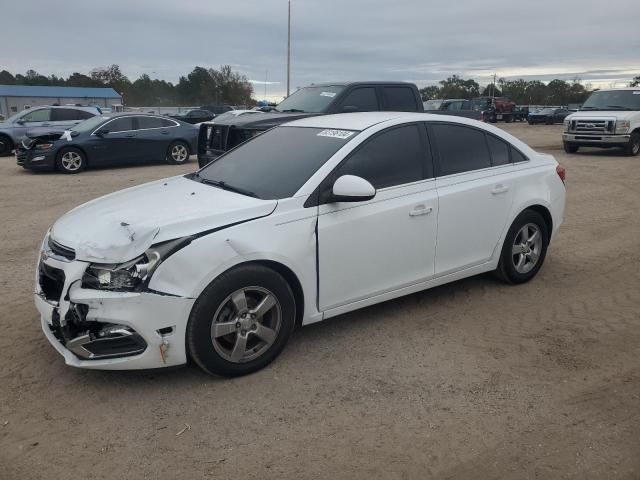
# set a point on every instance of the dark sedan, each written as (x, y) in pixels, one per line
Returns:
(195, 116)
(548, 116)
(107, 140)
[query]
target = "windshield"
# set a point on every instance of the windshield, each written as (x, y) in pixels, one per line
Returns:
(90, 124)
(310, 99)
(613, 100)
(432, 104)
(17, 116)
(275, 164)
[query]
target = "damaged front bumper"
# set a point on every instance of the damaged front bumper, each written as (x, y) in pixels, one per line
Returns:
(105, 329)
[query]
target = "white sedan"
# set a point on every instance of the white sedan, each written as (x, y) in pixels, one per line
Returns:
(307, 221)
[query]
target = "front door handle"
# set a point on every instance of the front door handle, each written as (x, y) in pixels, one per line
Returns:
(420, 210)
(165, 132)
(498, 189)
(131, 135)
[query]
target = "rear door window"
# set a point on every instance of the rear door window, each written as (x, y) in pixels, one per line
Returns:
(399, 99)
(361, 100)
(149, 122)
(461, 148)
(65, 114)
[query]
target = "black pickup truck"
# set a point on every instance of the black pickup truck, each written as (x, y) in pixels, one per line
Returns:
(216, 138)
(458, 107)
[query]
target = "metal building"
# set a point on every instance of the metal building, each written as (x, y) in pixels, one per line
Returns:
(15, 98)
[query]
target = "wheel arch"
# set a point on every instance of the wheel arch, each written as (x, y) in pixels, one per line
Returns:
(544, 213)
(287, 273)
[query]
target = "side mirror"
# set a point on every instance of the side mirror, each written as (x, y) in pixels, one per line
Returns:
(349, 188)
(350, 109)
(20, 122)
(102, 132)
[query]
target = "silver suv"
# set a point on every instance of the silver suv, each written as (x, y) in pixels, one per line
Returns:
(58, 118)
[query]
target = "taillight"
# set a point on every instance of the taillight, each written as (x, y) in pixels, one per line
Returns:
(562, 172)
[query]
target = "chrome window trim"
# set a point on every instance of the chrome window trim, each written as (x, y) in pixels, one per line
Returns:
(176, 124)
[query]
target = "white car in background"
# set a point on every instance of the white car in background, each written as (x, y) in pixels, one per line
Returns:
(307, 221)
(231, 114)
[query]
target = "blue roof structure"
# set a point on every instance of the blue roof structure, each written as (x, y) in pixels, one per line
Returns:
(57, 92)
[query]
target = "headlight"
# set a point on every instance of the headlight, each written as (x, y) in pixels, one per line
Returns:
(44, 146)
(134, 274)
(623, 126)
(566, 124)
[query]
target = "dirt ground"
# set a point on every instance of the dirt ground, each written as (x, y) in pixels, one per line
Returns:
(473, 380)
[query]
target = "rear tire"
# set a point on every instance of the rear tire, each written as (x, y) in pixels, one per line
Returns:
(178, 153)
(633, 147)
(524, 248)
(570, 148)
(229, 334)
(6, 145)
(71, 160)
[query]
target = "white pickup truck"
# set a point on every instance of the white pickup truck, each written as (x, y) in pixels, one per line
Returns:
(609, 118)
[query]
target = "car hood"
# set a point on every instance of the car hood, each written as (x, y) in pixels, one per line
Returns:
(618, 114)
(123, 225)
(265, 120)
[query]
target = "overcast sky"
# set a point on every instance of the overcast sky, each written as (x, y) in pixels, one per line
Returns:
(415, 40)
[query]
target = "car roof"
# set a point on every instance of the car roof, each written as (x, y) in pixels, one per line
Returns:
(363, 120)
(617, 89)
(87, 108)
(346, 84)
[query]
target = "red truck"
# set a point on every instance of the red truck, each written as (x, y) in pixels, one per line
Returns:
(495, 108)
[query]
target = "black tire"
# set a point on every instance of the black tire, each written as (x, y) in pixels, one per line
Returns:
(633, 147)
(6, 145)
(530, 122)
(508, 118)
(178, 153)
(71, 160)
(216, 297)
(507, 270)
(570, 147)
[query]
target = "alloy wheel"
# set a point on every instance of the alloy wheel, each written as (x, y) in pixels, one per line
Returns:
(179, 153)
(527, 247)
(246, 324)
(71, 161)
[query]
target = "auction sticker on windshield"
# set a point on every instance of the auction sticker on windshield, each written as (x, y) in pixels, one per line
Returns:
(336, 133)
(328, 94)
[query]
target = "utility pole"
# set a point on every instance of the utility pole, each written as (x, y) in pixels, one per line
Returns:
(289, 51)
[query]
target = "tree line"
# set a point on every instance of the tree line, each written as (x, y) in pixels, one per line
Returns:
(202, 86)
(522, 92)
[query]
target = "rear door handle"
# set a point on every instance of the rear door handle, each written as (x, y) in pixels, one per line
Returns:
(498, 189)
(420, 210)
(165, 132)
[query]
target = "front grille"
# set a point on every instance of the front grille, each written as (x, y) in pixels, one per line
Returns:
(21, 155)
(51, 281)
(217, 136)
(61, 250)
(596, 126)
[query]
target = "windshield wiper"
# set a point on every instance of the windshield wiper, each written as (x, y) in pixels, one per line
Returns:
(294, 110)
(618, 107)
(225, 186)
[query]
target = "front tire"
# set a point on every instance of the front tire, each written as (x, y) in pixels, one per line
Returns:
(633, 147)
(71, 160)
(524, 248)
(178, 153)
(241, 322)
(6, 145)
(570, 148)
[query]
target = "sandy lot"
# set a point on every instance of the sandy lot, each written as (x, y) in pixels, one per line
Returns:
(473, 380)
